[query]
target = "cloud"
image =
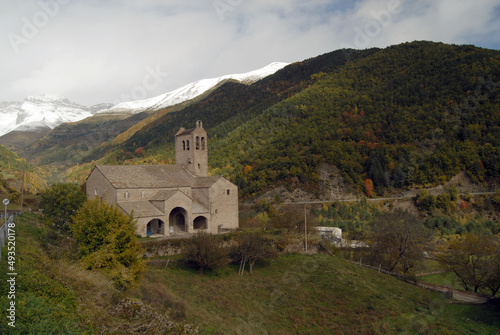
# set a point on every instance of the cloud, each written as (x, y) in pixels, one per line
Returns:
(96, 51)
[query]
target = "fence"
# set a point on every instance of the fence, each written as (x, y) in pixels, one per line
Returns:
(4, 232)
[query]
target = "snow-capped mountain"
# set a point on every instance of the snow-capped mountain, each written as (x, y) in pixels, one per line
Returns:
(192, 90)
(42, 112)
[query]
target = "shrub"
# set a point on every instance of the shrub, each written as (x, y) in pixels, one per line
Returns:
(106, 240)
(60, 202)
(205, 251)
(425, 201)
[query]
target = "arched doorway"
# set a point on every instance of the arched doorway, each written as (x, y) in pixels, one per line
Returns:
(200, 222)
(177, 220)
(155, 226)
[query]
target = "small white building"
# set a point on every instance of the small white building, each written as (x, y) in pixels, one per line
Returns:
(332, 234)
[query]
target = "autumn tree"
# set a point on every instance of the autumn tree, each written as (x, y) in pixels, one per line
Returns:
(475, 261)
(397, 240)
(292, 218)
(492, 280)
(253, 247)
(106, 239)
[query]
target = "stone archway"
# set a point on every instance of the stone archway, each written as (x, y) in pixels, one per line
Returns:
(177, 220)
(155, 227)
(200, 222)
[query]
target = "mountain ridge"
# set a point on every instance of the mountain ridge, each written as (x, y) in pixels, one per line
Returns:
(192, 90)
(44, 111)
(37, 115)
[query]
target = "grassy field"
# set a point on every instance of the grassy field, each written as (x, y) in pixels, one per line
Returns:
(294, 294)
(318, 294)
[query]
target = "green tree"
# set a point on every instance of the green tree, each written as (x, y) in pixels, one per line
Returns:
(205, 251)
(425, 201)
(106, 239)
(376, 166)
(60, 202)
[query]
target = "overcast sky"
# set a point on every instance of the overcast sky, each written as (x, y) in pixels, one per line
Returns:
(110, 51)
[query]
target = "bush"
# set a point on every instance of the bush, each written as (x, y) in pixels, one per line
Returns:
(60, 202)
(106, 240)
(425, 201)
(205, 251)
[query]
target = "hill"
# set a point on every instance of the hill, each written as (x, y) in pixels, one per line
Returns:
(12, 169)
(71, 143)
(316, 294)
(410, 115)
(233, 102)
(16, 140)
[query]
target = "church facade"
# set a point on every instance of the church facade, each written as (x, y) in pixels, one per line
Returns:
(171, 199)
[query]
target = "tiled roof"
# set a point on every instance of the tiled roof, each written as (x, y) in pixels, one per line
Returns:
(163, 195)
(140, 208)
(153, 176)
(183, 131)
(198, 208)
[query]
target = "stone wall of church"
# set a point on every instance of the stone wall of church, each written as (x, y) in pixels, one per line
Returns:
(224, 206)
(98, 186)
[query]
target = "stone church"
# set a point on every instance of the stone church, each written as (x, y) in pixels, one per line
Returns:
(171, 199)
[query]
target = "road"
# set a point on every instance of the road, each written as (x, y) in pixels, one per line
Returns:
(368, 199)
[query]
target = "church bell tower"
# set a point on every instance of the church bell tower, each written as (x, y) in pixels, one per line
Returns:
(191, 150)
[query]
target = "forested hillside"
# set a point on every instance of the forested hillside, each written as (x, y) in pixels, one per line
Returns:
(232, 102)
(71, 143)
(13, 169)
(412, 114)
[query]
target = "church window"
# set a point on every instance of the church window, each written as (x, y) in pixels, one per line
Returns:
(228, 192)
(95, 191)
(197, 143)
(126, 195)
(183, 145)
(187, 145)
(143, 194)
(203, 143)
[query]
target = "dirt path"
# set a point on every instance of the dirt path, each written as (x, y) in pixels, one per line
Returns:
(469, 297)
(461, 296)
